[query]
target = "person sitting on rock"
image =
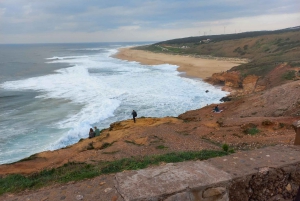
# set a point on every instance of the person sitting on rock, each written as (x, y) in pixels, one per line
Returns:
(217, 110)
(97, 131)
(91, 133)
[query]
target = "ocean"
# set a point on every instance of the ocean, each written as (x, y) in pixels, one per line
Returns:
(51, 94)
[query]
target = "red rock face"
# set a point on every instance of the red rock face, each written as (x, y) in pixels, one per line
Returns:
(234, 83)
(249, 84)
(229, 79)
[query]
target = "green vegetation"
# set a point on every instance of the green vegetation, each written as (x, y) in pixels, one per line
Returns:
(264, 49)
(294, 64)
(161, 147)
(225, 147)
(252, 131)
(79, 171)
(289, 75)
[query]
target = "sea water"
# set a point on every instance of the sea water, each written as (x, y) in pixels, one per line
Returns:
(51, 94)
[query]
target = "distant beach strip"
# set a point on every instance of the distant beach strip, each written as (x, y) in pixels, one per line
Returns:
(192, 66)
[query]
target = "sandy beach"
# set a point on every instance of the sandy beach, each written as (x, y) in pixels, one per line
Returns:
(192, 66)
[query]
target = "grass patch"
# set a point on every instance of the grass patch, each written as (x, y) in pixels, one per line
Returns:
(79, 171)
(225, 147)
(161, 147)
(289, 75)
(252, 131)
(294, 64)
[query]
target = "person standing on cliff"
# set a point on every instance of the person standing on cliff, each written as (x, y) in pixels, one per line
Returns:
(134, 114)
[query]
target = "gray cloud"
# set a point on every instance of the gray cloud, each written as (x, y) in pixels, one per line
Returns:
(77, 16)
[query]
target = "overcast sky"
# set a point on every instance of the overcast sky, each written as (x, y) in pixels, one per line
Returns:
(47, 21)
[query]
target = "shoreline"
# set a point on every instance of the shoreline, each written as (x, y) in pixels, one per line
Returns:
(193, 67)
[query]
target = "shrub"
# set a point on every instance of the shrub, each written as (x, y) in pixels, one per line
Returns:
(252, 131)
(225, 147)
(289, 75)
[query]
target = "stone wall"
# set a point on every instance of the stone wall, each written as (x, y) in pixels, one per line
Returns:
(268, 174)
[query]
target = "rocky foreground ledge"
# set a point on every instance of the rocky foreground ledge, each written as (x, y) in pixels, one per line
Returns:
(270, 173)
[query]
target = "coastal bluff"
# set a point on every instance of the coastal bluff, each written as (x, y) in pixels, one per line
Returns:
(265, 174)
(258, 170)
(257, 123)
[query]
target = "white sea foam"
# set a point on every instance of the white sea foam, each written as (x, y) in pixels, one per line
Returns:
(113, 89)
(68, 57)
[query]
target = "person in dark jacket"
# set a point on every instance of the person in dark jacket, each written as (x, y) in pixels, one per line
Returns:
(217, 109)
(91, 133)
(134, 114)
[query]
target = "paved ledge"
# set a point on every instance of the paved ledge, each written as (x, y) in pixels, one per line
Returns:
(267, 174)
(259, 160)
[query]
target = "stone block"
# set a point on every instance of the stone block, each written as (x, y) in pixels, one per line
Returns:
(160, 182)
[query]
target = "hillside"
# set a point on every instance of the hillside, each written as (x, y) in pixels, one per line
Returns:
(264, 50)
